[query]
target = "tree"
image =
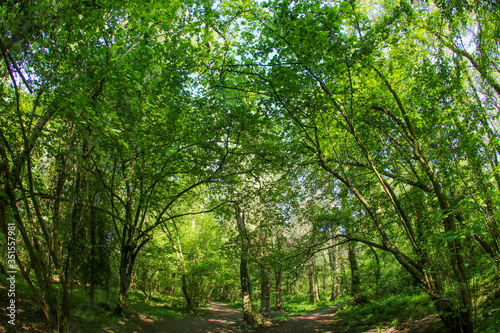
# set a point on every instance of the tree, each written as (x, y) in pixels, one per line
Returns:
(146, 185)
(332, 74)
(76, 62)
(324, 126)
(44, 139)
(95, 248)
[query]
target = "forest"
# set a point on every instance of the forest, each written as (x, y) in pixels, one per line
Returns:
(259, 153)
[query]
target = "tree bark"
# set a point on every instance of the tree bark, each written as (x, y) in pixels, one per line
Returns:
(279, 290)
(245, 292)
(311, 284)
(128, 254)
(334, 272)
(125, 279)
(185, 291)
(462, 319)
(265, 288)
(265, 291)
(353, 266)
(377, 272)
(316, 283)
(248, 316)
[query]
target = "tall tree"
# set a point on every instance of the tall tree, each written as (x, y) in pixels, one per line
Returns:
(56, 58)
(337, 76)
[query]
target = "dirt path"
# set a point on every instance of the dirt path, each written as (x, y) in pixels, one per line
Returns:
(319, 321)
(223, 319)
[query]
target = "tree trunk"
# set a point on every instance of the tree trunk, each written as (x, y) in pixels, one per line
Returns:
(93, 254)
(324, 274)
(248, 316)
(353, 265)
(265, 291)
(265, 288)
(67, 305)
(209, 295)
(311, 284)
(91, 294)
(279, 291)
(185, 291)
(335, 274)
(454, 320)
(245, 291)
(125, 279)
(316, 283)
(377, 272)
(462, 318)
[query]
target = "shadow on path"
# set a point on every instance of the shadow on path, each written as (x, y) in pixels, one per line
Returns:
(223, 319)
(320, 321)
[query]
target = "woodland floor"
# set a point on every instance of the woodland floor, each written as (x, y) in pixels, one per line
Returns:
(228, 320)
(223, 319)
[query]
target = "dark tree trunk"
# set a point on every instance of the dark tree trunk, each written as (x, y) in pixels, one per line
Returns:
(185, 291)
(93, 254)
(248, 316)
(461, 321)
(377, 272)
(126, 264)
(265, 288)
(311, 284)
(353, 265)
(279, 291)
(245, 292)
(454, 321)
(122, 296)
(265, 291)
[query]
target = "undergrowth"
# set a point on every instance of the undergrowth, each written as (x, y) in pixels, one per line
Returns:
(351, 316)
(378, 313)
(165, 307)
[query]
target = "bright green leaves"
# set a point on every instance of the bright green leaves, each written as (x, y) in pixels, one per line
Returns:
(450, 236)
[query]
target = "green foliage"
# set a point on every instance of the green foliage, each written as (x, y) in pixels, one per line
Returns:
(386, 311)
(299, 305)
(360, 137)
(159, 309)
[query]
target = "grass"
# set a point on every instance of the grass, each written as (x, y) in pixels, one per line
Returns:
(387, 311)
(138, 312)
(299, 307)
(88, 319)
(293, 305)
(390, 311)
